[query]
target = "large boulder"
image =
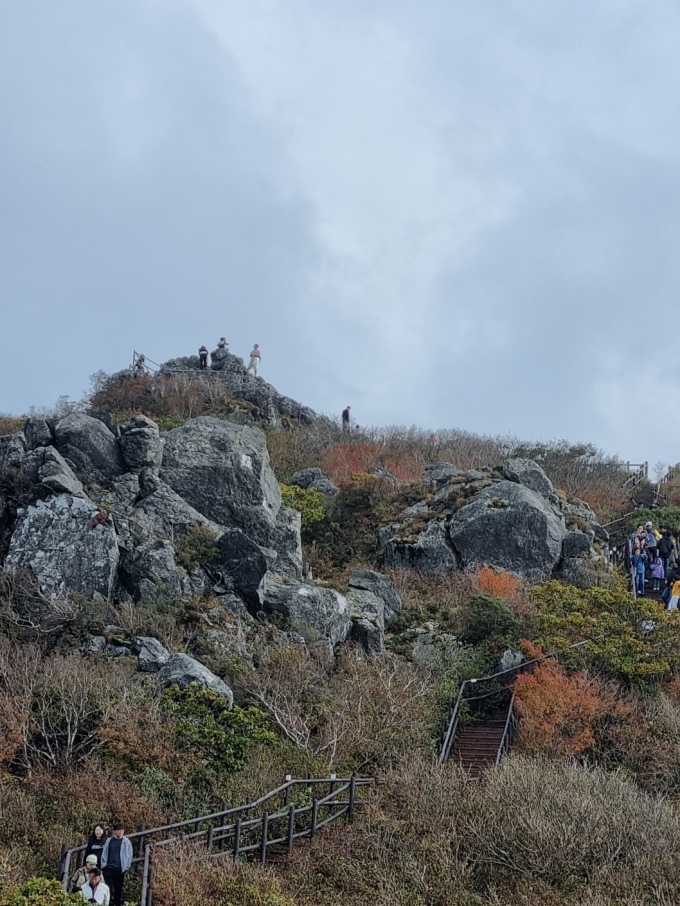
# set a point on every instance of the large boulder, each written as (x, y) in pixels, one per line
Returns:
(511, 527)
(141, 444)
(245, 563)
(430, 551)
(223, 471)
(436, 474)
(12, 451)
(39, 432)
(46, 467)
(287, 543)
(182, 670)
(315, 613)
(164, 512)
(530, 474)
(314, 478)
(152, 655)
(68, 545)
(371, 592)
(90, 447)
(149, 571)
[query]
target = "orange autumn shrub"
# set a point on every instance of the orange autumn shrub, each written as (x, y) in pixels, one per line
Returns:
(343, 460)
(497, 584)
(559, 711)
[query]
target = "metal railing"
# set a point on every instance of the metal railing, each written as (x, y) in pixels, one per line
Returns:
(495, 694)
(237, 831)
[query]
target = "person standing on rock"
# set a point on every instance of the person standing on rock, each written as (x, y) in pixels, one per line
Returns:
(255, 359)
(203, 357)
(346, 418)
(223, 343)
(116, 860)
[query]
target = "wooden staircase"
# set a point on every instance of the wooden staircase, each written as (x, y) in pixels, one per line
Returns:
(476, 747)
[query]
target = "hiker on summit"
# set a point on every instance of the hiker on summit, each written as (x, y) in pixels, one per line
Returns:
(116, 860)
(203, 356)
(345, 418)
(255, 359)
(223, 343)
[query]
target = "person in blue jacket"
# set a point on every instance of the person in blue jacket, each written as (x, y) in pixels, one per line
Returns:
(116, 860)
(639, 561)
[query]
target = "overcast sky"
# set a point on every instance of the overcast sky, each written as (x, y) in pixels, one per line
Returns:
(451, 213)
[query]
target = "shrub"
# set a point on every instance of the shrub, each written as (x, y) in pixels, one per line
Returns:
(196, 547)
(497, 584)
(489, 619)
(310, 503)
(207, 728)
(39, 891)
(559, 712)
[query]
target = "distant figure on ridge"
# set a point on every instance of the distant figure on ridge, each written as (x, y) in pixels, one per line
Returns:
(203, 356)
(223, 343)
(140, 365)
(345, 418)
(255, 359)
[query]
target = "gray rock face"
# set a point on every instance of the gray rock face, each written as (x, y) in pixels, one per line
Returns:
(39, 432)
(529, 474)
(67, 545)
(126, 488)
(12, 451)
(223, 471)
(312, 611)
(141, 444)
(510, 659)
(245, 563)
(371, 592)
(45, 466)
(437, 474)
(366, 630)
(89, 445)
(431, 552)
(575, 544)
(287, 543)
(150, 571)
(509, 526)
(165, 513)
(182, 670)
(431, 648)
(95, 645)
(314, 478)
(152, 655)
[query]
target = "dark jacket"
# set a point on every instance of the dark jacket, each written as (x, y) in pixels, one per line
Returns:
(95, 847)
(666, 545)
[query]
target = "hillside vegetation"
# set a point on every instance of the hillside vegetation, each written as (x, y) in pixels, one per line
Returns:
(583, 813)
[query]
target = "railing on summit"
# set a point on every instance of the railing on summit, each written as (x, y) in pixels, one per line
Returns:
(278, 818)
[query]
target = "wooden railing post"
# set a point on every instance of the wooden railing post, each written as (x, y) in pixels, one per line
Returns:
(291, 828)
(145, 876)
(265, 830)
(140, 846)
(315, 811)
(197, 824)
(352, 797)
(287, 799)
(237, 837)
(209, 838)
(225, 806)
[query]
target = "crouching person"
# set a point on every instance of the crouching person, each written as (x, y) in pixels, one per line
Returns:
(79, 877)
(116, 860)
(94, 889)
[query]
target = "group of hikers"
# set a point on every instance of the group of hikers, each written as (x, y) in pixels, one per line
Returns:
(654, 558)
(107, 859)
(253, 365)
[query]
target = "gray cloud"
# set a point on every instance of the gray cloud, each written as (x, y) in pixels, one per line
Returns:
(448, 214)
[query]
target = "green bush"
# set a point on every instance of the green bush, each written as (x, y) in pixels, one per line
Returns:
(667, 515)
(489, 619)
(310, 503)
(207, 728)
(196, 547)
(39, 891)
